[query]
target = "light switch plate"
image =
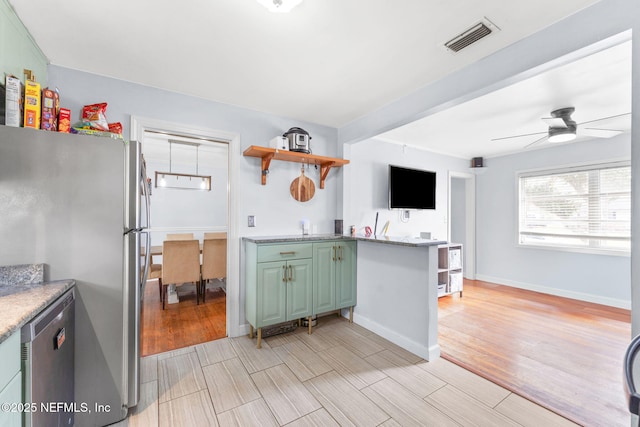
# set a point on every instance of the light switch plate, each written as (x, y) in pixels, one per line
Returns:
(252, 220)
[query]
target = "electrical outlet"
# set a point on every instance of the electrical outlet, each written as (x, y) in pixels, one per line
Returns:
(252, 220)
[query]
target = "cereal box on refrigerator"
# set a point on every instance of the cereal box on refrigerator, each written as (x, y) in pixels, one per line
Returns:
(32, 108)
(13, 107)
(50, 108)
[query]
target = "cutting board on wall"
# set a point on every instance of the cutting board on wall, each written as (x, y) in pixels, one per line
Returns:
(302, 188)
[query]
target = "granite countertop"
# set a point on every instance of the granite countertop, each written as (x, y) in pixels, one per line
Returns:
(402, 241)
(21, 274)
(19, 303)
(296, 238)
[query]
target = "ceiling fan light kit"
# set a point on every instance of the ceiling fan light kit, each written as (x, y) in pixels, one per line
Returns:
(562, 134)
(562, 128)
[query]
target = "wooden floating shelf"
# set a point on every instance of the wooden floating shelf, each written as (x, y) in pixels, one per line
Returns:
(267, 154)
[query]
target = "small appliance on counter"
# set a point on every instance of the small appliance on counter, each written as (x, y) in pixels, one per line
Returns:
(298, 140)
(279, 143)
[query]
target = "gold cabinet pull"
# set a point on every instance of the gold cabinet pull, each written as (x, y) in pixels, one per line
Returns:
(284, 273)
(340, 253)
(288, 253)
(291, 273)
(334, 252)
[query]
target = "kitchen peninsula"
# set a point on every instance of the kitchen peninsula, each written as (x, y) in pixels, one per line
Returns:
(398, 291)
(395, 293)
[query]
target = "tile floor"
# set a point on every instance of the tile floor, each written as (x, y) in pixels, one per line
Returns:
(341, 375)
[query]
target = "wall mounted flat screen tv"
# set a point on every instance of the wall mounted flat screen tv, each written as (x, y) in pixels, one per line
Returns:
(411, 188)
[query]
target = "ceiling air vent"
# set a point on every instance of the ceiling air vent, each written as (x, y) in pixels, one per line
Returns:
(471, 36)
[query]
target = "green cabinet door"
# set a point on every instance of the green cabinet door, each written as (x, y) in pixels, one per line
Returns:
(346, 289)
(299, 288)
(271, 289)
(324, 273)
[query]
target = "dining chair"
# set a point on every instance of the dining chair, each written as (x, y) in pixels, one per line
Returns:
(179, 236)
(180, 265)
(214, 261)
(155, 272)
(216, 235)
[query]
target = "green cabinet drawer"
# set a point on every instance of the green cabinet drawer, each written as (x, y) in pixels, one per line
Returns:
(284, 252)
(9, 358)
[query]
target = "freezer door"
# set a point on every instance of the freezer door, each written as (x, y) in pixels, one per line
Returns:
(137, 267)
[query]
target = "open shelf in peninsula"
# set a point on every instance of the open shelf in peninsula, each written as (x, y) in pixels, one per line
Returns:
(267, 154)
(450, 269)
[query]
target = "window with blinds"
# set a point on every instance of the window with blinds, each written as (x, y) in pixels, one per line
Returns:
(586, 207)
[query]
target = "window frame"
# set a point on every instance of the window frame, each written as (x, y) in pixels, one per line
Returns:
(581, 167)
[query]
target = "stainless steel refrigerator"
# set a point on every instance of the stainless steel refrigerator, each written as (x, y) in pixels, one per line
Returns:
(76, 204)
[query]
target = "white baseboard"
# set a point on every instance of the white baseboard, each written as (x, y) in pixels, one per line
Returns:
(409, 345)
(597, 299)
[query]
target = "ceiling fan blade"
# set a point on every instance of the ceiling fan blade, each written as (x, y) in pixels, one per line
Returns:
(554, 122)
(605, 118)
(599, 133)
(518, 136)
(536, 142)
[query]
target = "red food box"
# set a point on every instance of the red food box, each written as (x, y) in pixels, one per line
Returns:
(50, 108)
(115, 128)
(64, 120)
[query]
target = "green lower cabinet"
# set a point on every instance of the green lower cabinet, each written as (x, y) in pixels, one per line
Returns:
(334, 275)
(299, 288)
(10, 381)
(290, 280)
(346, 289)
(324, 274)
(284, 291)
(272, 293)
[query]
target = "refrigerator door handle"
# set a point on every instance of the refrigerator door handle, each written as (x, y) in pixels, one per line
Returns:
(147, 263)
(145, 192)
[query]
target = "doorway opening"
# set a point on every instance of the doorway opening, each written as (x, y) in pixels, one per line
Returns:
(188, 178)
(462, 218)
(184, 156)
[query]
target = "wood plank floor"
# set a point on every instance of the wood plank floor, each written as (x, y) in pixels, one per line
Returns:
(183, 324)
(563, 354)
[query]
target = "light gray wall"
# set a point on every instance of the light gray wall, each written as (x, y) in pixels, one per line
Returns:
(276, 211)
(592, 277)
(367, 188)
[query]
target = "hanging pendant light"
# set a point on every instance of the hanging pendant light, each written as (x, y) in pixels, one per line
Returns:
(202, 183)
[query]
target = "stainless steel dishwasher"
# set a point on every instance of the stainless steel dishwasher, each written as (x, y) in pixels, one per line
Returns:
(48, 363)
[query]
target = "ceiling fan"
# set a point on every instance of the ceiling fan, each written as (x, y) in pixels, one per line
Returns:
(562, 128)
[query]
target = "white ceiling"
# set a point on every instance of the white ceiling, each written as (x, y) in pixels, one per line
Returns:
(598, 86)
(327, 61)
